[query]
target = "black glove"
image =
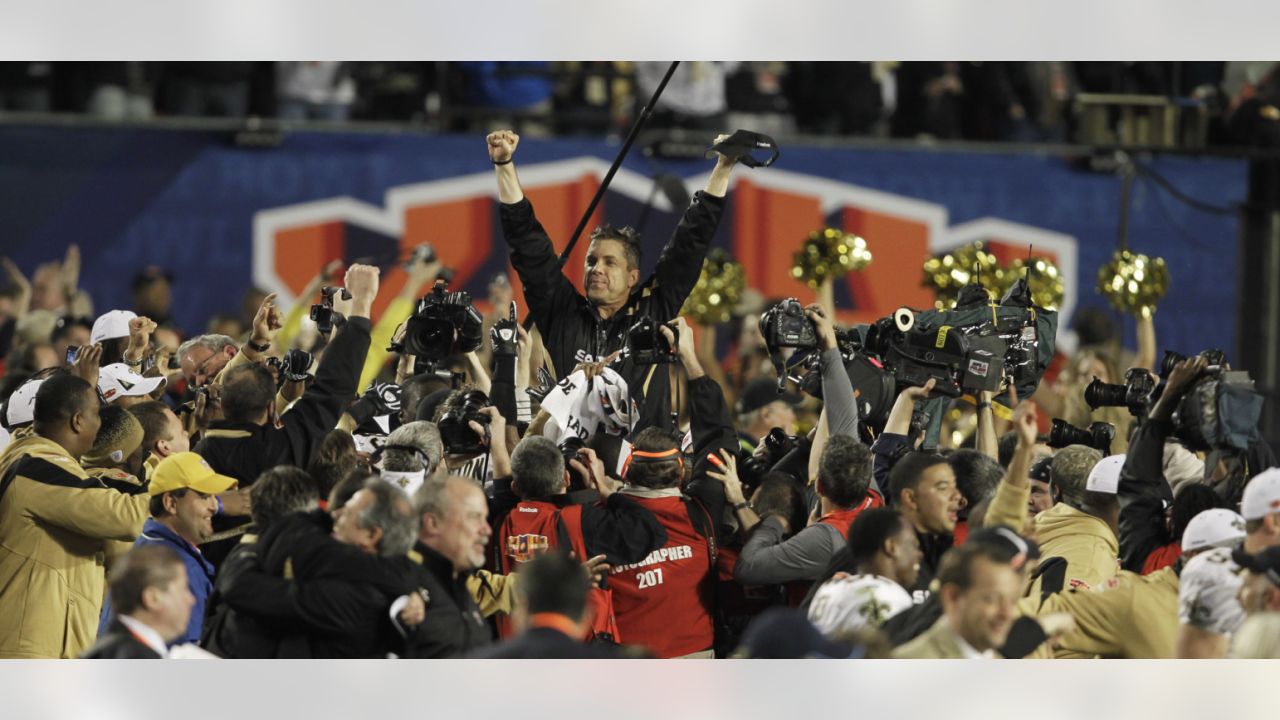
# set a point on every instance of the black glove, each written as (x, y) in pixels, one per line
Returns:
(385, 396)
(296, 365)
(503, 335)
(380, 399)
(546, 384)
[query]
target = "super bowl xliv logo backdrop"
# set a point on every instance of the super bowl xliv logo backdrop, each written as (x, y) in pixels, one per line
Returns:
(769, 214)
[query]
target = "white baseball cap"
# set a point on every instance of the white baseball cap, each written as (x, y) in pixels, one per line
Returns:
(114, 324)
(1218, 527)
(21, 406)
(1105, 476)
(1261, 495)
(118, 380)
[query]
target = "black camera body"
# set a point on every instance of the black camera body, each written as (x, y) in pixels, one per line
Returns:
(445, 323)
(786, 326)
(1135, 393)
(322, 314)
(455, 431)
(570, 447)
(956, 361)
(776, 445)
(1098, 436)
(648, 346)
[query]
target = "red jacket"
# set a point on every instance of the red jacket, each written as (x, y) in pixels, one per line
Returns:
(664, 602)
(534, 527)
(1162, 557)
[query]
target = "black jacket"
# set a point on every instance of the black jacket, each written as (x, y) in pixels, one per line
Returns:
(570, 325)
(1143, 494)
(311, 596)
(454, 626)
(542, 643)
(244, 450)
(712, 429)
(117, 643)
(933, 548)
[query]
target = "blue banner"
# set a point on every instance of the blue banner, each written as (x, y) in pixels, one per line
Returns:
(221, 217)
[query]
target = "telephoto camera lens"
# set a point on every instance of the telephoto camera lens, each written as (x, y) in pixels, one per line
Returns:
(1100, 394)
(1098, 436)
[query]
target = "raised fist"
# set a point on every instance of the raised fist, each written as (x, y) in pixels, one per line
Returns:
(362, 281)
(502, 145)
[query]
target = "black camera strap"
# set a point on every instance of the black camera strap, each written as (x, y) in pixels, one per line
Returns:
(741, 144)
(780, 365)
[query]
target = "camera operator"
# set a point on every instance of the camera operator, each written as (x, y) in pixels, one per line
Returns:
(843, 476)
(1152, 517)
(577, 328)
(250, 439)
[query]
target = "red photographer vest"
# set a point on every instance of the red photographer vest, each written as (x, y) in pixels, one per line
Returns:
(534, 527)
(842, 519)
(665, 601)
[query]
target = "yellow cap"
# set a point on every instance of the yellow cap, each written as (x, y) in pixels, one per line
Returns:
(188, 470)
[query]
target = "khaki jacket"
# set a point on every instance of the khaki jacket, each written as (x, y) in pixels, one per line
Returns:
(1135, 617)
(503, 598)
(1085, 542)
(55, 521)
(939, 642)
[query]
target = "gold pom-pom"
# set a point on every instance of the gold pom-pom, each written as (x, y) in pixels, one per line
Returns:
(974, 263)
(1133, 283)
(949, 272)
(718, 290)
(827, 254)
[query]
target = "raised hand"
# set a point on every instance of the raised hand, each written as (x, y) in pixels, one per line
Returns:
(362, 282)
(823, 324)
(1026, 424)
(915, 394)
(88, 363)
(267, 321)
(140, 330)
(728, 475)
(502, 145)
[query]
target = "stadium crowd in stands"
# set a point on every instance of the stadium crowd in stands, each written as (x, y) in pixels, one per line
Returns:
(981, 101)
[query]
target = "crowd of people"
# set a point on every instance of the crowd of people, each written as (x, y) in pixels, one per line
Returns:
(593, 483)
(983, 101)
